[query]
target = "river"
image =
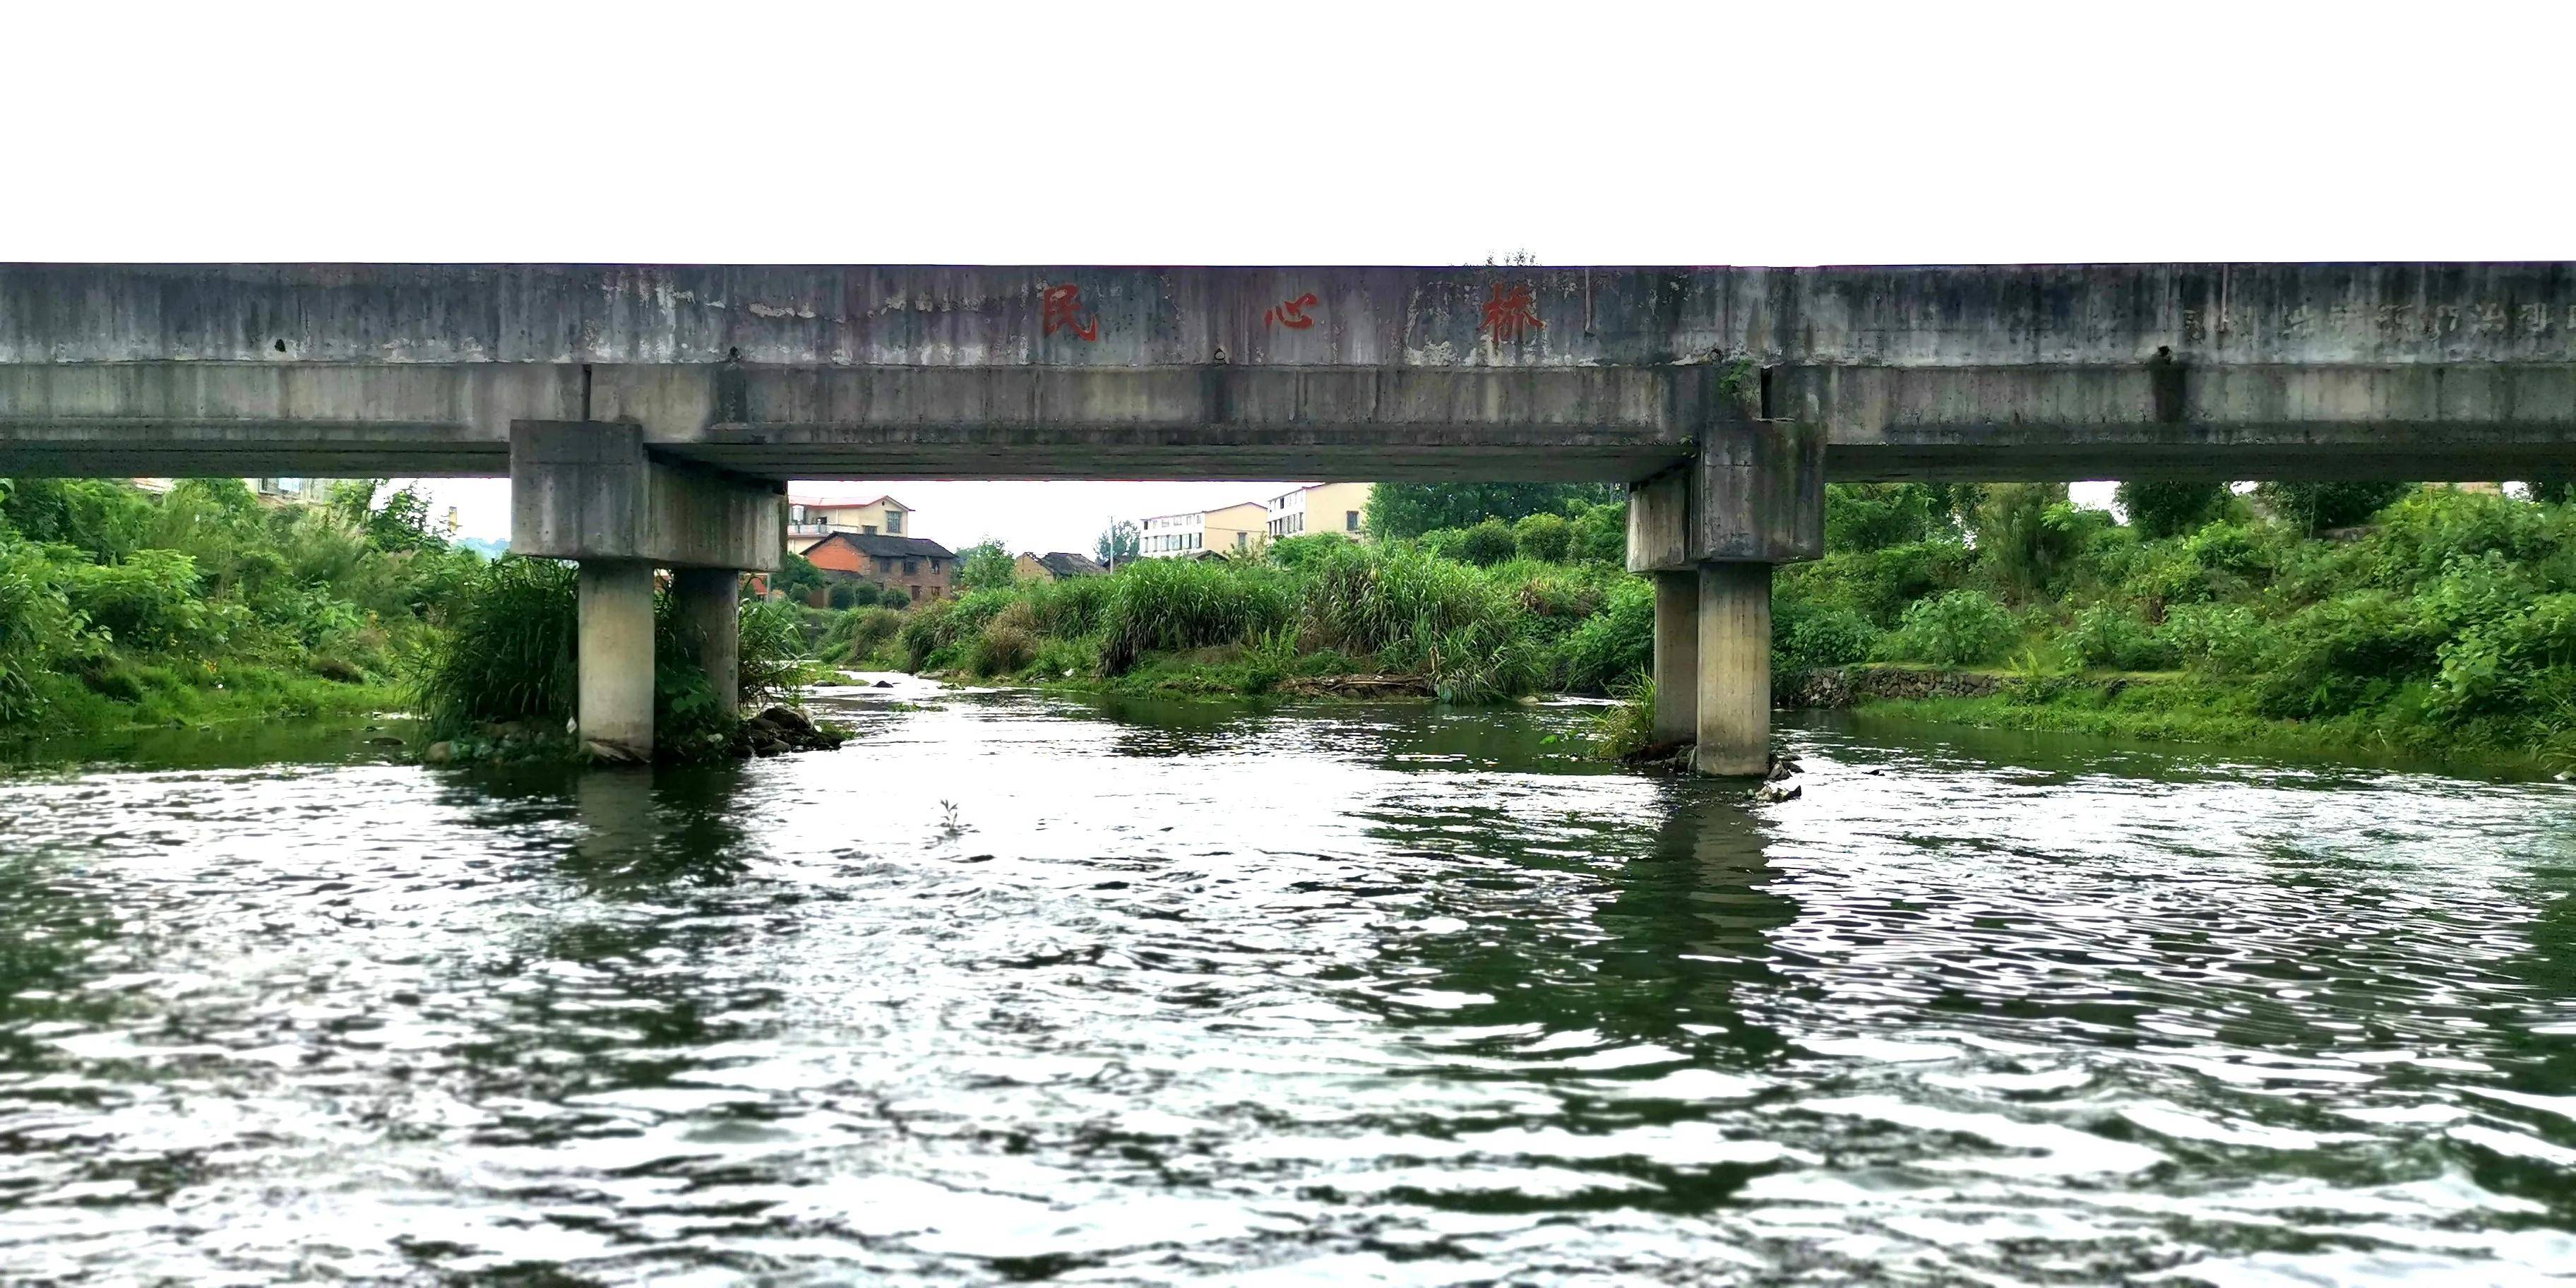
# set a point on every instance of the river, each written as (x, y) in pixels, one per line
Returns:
(1026, 987)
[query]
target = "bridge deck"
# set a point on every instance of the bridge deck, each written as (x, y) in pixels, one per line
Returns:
(2177, 370)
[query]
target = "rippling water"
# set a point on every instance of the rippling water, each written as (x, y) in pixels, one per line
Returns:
(1030, 988)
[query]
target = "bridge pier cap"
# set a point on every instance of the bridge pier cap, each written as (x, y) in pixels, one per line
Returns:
(1973, 374)
(587, 490)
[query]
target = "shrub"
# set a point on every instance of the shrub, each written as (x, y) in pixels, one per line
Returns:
(508, 652)
(1297, 553)
(2108, 636)
(920, 635)
(1485, 543)
(857, 634)
(770, 646)
(1004, 648)
(845, 594)
(1873, 516)
(1170, 604)
(2158, 510)
(149, 600)
(1544, 537)
(2222, 639)
(2314, 507)
(1077, 605)
(2501, 665)
(2345, 654)
(1605, 649)
(1879, 584)
(1808, 636)
(1062, 658)
(1600, 535)
(37, 625)
(1959, 628)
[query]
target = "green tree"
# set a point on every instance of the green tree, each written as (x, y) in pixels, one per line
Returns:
(1118, 543)
(985, 566)
(1398, 511)
(2029, 532)
(1874, 516)
(2315, 507)
(2559, 488)
(399, 523)
(2162, 509)
(797, 577)
(1487, 542)
(1543, 536)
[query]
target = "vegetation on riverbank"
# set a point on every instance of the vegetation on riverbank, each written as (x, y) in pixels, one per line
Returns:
(2378, 616)
(1478, 614)
(2330, 616)
(2355, 616)
(121, 607)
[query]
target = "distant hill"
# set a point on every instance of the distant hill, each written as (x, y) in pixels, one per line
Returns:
(484, 546)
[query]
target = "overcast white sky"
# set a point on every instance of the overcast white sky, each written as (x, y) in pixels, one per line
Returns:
(1314, 132)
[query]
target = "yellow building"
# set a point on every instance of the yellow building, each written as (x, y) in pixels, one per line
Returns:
(1320, 507)
(823, 516)
(1230, 529)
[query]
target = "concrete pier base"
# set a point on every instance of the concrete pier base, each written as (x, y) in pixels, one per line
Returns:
(707, 602)
(1676, 670)
(615, 657)
(1734, 668)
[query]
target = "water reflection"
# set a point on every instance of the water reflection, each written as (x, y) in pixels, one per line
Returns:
(1126, 991)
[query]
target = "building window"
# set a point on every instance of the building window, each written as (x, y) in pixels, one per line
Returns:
(1350, 520)
(868, 529)
(912, 568)
(1241, 539)
(916, 594)
(894, 522)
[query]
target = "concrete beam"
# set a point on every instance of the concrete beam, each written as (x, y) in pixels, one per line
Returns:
(2430, 371)
(590, 491)
(1756, 492)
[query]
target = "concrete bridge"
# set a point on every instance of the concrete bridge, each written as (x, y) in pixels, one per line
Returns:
(648, 415)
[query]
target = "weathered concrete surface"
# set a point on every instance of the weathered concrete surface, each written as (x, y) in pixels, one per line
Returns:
(591, 491)
(1755, 491)
(614, 658)
(1734, 735)
(1676, 656)
(708, 603)
(2416, 370)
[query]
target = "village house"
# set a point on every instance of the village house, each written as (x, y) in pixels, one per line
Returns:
(1059, 566)
(820, 516)
(920, 568)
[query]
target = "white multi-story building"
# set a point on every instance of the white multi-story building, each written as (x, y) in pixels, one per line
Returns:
(1229, 529)
(1320, 507)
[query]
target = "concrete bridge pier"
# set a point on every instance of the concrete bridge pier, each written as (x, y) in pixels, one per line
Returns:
(1710, 532)
(590, 492)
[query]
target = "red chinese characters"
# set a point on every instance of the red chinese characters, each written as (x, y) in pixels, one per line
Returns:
(1292, 314)
(1510, 313)
(1060, 309)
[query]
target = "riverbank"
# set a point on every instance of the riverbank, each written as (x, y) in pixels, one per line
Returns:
(2158, 707)
(122, 608)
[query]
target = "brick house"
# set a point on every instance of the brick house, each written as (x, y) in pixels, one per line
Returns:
(921, 567)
